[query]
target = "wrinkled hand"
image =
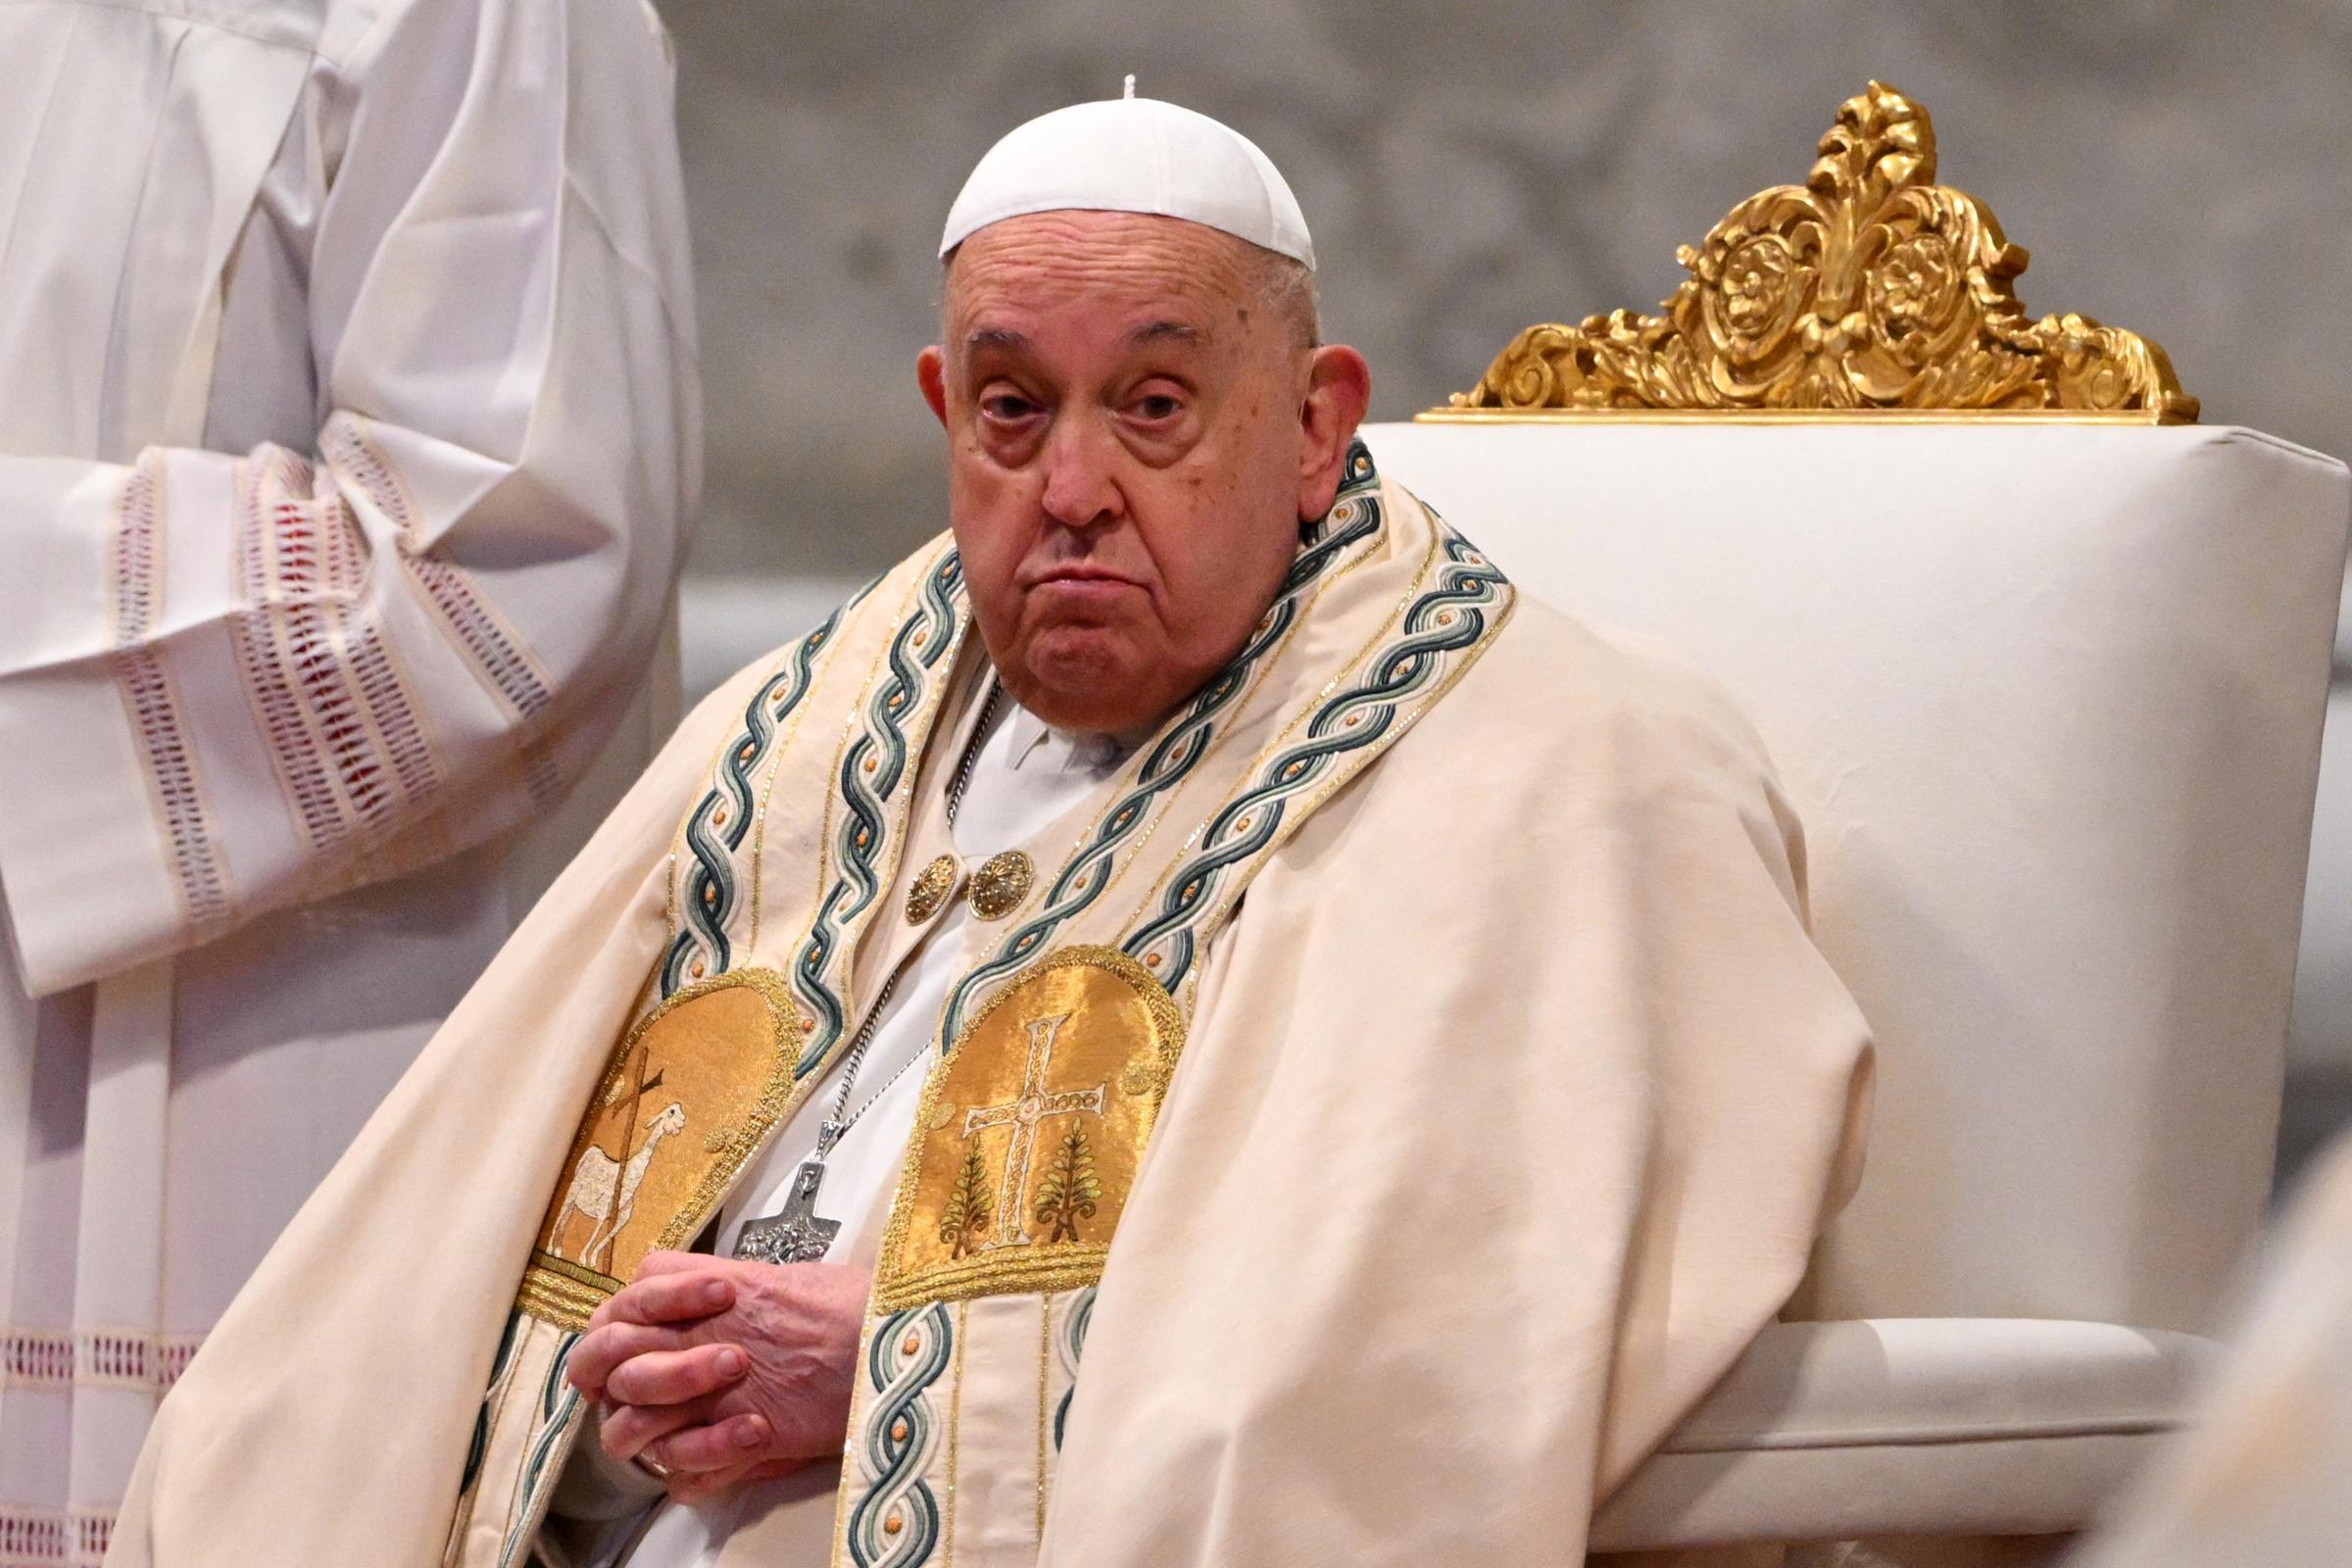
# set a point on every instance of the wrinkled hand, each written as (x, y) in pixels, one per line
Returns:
(723, 1371)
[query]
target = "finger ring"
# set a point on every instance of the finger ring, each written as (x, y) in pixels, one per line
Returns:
(654, 1467)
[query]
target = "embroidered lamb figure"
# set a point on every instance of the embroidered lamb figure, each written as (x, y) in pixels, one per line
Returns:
(606, 1191)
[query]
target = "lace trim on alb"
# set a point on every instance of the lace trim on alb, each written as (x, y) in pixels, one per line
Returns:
(136, 557)
(46, 1537)
(95, 1358)
(343, 729)
(494, 648)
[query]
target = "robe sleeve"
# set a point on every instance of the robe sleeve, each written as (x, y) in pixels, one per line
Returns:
(233, 681)
(1515, 1097)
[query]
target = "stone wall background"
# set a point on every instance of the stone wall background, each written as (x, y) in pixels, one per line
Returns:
(2176, 167)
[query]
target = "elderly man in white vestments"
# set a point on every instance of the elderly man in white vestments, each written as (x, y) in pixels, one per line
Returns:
(1195, 1026)
(347, 434)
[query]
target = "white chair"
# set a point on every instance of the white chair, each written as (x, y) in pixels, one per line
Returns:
(2046, 690)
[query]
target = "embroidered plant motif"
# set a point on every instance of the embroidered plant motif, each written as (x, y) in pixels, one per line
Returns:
(965, 1219)
(1069, 1192)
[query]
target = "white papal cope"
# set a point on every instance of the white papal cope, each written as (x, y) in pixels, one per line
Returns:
(1403, 1087)
(347, 431)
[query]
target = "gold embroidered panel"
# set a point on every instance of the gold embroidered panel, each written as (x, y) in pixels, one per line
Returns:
(1868, 289)
(689, 1095)
(1030, 1133)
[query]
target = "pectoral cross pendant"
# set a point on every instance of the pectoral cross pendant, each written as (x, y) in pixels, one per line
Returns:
(794, 1233)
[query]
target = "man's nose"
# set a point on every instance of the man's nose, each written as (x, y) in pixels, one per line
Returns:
(1082, 486)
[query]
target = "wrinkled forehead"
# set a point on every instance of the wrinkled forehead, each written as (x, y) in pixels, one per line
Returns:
(1113, 270)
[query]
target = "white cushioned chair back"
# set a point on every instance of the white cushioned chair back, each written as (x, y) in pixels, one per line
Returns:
(2047, 698)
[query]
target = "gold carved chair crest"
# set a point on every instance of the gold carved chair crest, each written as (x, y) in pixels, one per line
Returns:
(1867, 289)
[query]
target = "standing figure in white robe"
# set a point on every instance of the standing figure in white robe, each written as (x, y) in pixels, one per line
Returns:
(348, 431)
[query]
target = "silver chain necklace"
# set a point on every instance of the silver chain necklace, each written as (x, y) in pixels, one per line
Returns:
(795, 1233)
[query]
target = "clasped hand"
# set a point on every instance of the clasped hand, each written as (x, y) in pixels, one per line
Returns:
(721, 1371)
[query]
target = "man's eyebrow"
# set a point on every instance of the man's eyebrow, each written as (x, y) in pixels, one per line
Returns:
(996, 337)
(1156, 332)
(1012, 342)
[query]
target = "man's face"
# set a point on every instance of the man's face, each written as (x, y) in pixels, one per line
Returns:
(1135, 431)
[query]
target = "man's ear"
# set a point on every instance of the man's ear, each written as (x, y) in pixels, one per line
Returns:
(931, 372)
(1338, 388)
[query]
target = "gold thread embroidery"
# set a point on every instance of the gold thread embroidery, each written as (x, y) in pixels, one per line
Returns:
(553, 1299)
(963, 1311)
(1045, 1399)
(669, 910)
(1083, 992)
(966, 1221)
(566, 1269)
(1080, 1263)
(605, 1188)
(777, 1101)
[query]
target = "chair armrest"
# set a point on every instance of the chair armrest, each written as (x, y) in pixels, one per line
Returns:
(1910, 1426)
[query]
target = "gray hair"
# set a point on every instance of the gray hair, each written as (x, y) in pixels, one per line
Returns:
(1289, 291)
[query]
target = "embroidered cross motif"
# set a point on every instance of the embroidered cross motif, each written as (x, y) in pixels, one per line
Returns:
(1068, 1064)
(1036, 1103)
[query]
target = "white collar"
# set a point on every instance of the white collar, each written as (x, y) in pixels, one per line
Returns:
(1031, 741)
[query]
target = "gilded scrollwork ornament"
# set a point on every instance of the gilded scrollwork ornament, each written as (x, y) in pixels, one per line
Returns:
(1870, 287)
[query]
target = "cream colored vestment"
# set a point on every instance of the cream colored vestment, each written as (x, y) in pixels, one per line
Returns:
(1482, 1132)
(348, 434)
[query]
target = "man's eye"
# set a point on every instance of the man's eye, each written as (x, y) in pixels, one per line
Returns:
(1007, 407)
(1156, 407)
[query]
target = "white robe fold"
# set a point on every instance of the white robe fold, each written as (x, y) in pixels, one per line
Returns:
(1501, 1140)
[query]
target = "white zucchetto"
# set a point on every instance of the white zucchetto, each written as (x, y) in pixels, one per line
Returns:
(1134, 155)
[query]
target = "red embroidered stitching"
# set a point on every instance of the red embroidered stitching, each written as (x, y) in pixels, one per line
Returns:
(173, 1357)
(304, 776)
(379, 683)
(29, 1537)
(135, 556)
(543, 775)
(347, 451)
(53, 1358)
(76, 1538)
(496, 649)
(31, 1357)
(326, 687)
